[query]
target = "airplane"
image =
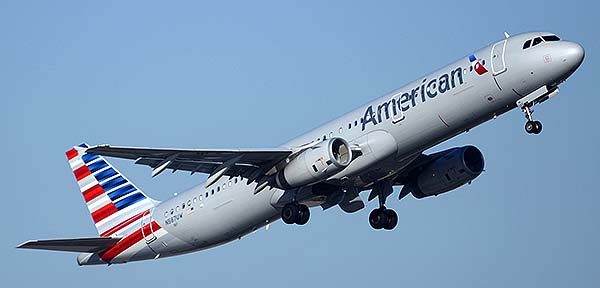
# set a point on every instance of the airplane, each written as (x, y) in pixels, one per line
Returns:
(373, 148)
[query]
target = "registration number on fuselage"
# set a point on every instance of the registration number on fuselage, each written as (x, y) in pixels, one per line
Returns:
(174, 219)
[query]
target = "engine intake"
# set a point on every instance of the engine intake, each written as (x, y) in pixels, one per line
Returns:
(455, 168)
(316, 164)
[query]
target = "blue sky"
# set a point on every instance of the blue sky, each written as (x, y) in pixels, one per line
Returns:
(255, 74)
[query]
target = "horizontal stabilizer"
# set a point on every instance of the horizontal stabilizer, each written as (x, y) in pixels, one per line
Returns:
(72, 245)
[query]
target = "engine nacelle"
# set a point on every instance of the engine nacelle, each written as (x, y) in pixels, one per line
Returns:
(455, 168)
(316, 164)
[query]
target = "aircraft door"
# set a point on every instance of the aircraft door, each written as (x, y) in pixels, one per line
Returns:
(147, 229)
(497, 58)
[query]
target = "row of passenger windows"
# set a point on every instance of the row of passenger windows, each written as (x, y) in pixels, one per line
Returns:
(205, 195)
(341, 130)
(538, 40)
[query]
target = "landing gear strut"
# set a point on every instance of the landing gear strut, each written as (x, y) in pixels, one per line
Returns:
(382, 217)
(295, 214)
(531, 126)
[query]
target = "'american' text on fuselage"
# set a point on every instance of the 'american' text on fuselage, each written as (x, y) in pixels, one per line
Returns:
(402, 101)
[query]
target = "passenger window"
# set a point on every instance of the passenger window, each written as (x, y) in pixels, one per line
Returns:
(172, 211)
(229, 183)
(550, 38)
(166, 214)
(200, 197)
(195, 200)
(355, 123)
(527, 44)
(207, 194)
(183, 205)
(341, 130)
(537, 41)
(177, 208)
(190, 202)
(235, 180)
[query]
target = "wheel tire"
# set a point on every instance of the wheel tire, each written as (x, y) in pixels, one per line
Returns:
(304, 215)
(377, 218)
(290, 214)
(530, 127)
(538, 127)
(392, 219)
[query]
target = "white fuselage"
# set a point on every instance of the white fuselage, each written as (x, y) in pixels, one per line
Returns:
(413, 118)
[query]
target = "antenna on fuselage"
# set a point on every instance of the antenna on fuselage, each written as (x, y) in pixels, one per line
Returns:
(506, 35)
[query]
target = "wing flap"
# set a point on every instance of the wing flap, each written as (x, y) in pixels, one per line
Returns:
(72, 245)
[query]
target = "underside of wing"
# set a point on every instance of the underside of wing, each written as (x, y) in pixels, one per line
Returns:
(72, 245)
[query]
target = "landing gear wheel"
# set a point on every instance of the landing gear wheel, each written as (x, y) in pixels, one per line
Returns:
(530, 127)
(290, 214)
(392, 219)
(304, 214)
(538, 127)
(378, 218)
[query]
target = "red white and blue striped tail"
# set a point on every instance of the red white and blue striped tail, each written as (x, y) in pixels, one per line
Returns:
(116, 204)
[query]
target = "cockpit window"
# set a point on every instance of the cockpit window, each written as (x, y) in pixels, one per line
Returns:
(550, 38)
(538, 40)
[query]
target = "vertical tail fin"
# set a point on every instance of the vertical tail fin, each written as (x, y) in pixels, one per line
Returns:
(116, 204)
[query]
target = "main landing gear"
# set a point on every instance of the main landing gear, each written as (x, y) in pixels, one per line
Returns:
(382, 217)
(531, 126)
(295, 214)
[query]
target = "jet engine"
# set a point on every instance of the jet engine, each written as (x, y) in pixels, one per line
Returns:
(456, 167)
(316, 164)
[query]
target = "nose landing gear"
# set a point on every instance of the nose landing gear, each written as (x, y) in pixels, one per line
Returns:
(536, 97)
(531, 126)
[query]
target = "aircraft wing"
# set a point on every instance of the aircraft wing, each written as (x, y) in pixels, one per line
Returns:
(248, 163)
(72, 245)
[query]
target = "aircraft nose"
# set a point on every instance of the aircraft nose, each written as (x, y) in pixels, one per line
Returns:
(573, 55)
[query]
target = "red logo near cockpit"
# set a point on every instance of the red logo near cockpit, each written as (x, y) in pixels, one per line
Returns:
(476, 65)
